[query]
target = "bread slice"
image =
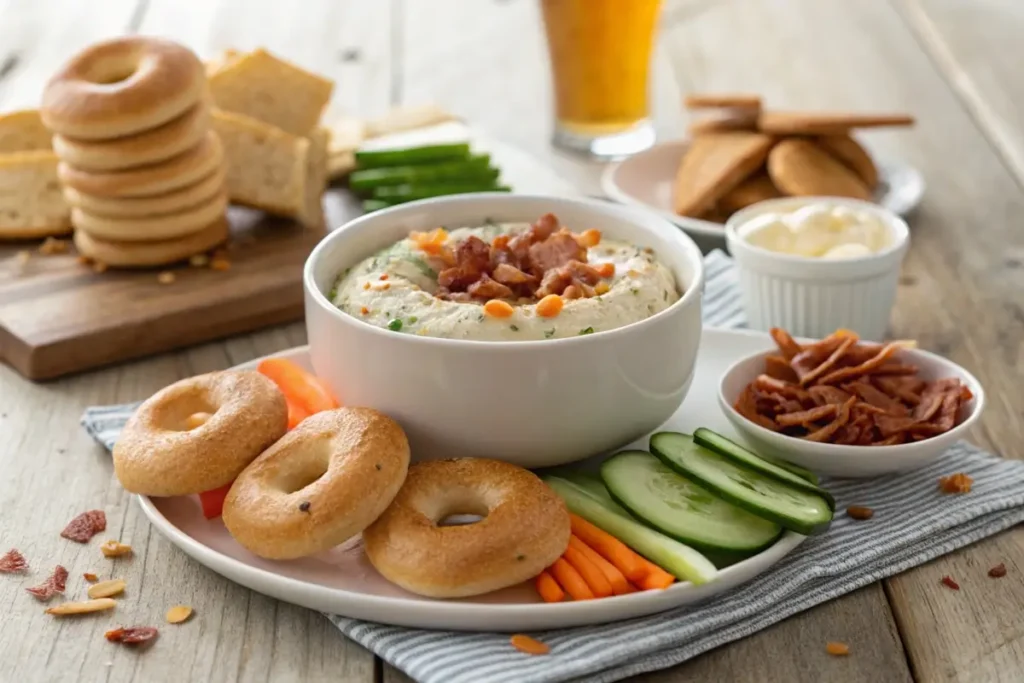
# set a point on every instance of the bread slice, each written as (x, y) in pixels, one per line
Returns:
(224, 59)
(267, 168)
(23, 131)
(31, 200)
(345, 137)
(312, 213)
(268, 89)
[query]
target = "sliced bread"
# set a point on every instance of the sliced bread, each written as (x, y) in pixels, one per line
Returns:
(31, 201)
(271, 90)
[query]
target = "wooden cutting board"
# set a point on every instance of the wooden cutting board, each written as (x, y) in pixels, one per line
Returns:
(58, 316)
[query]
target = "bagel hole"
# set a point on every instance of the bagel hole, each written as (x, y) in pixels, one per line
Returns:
(460, 511)
(303, 474)
(112, 77)
(186, 414)
(459, 520)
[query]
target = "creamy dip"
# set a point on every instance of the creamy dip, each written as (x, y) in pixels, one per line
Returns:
(395, 289)
(818, 230)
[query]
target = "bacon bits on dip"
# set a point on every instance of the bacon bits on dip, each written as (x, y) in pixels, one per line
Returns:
(506, 282)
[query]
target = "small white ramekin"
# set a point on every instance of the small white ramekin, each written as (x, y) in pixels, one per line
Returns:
(811, 297)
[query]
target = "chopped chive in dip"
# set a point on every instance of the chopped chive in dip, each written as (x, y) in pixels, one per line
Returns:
(548, 334)
(412, 319)
(395, 325)
(514, 328)
(634, 290)
(588, 330)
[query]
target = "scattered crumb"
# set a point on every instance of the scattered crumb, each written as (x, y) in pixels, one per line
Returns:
(199, 260)
(859, 512)
(220, 264)
(165, 278)
(115, 549)
(99, 267)
(998, 571)
(956, 483)
(528, 645)
(90, 577)
(948, 582)
(837, 649)
(178, 614)
(83, 260)
(22, 257)
(52, 246)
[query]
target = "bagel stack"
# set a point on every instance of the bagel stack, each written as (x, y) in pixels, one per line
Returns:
(140, 166)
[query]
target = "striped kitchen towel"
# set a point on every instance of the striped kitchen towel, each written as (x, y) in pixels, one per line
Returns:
(912, 524)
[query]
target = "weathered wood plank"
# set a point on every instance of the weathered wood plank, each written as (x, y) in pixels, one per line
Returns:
(962, 279)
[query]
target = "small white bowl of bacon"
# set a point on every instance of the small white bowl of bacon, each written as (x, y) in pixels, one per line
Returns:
(842, 407)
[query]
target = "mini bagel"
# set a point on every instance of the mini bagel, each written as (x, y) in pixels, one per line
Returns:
(169, 202)
(525, 528)
(149, 147)
(321, 484)
(122, 87)
(151, 228)
(148, 254)
(162, 453)
(181, 171)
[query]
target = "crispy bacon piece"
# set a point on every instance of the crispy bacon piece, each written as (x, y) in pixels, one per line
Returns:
(13, 561)
(775, 386)
(86, 525)
(956, 483)
(778, 368)
(840, 420)
(872, 396)
(865, 368)
(53, 585)
(485, 288)
(786, 343)
(746, 405)
(806, 416)
(508, 274)
(822, 394)
(556, 251)
(131, 635)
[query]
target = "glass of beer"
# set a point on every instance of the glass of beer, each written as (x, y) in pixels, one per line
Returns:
(600, 60)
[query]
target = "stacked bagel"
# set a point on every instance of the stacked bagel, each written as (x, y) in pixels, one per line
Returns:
(140, 166)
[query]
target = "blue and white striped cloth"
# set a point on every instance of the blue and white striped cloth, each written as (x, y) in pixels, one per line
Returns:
(913, 523)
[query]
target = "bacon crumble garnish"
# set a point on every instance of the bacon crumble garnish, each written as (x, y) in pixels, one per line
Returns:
(86, 525)
(843, 391)
(956, 483)
(53, 585)
(13, 561)
(131, 635)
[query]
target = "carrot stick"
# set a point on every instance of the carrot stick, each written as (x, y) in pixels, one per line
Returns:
(548, 588)
(570, 579)
(656, 576)
(294, 382)
(599, 585)
(296, 413)
(620, 586)
(610, 548)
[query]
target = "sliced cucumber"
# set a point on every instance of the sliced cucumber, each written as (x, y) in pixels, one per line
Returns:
(799, 471)
(794, 507)
(425, 154)
(746, 458)
(680, 560)
(680, 508)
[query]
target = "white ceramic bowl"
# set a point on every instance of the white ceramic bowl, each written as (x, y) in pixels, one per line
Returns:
(850, 461)
(811, 297)
(532, 403)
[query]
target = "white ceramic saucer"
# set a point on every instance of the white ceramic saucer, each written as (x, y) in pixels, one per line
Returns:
(645, 180)
(342, 581)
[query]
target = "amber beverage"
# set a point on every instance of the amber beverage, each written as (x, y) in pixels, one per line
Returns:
(600, 59)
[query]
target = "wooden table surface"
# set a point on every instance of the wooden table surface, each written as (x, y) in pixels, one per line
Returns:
(953, 63)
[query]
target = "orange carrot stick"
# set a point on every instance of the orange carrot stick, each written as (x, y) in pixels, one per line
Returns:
(610, 548)
(599, 585)
(570, 579)
(548, 588)
(294, 382)
(620, 585)
(296, 413)
(528, 645)
(656, 576)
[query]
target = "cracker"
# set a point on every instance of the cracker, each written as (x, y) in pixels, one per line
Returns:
(757, 188)
(144, 255)
(800, 167)
(722, 100)
(407, 118)
(31, 201)
(346, 136)
(23, 131)
(826, 123)
(714, 165)
(261, 86)
(851, 153)
(723, 121)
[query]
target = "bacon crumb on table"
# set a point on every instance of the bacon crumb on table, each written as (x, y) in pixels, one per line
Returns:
(53, 585)
(956, 483)
(131, 635)
(86, 525)
(843, 391)
(948, 582)
(998, 571)
(837, 649)
(13, 561)
(859, 512)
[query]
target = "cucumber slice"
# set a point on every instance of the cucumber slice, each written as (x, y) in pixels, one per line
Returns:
(680, 560)
(426, 154)
(799, 471)
(680, 508)
(794, 507)
(746, 458)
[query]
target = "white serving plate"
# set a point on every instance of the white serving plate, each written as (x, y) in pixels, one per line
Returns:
(342, 581)
(645, 180)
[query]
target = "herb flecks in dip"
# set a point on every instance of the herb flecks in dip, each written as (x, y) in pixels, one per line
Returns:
(506, 282)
